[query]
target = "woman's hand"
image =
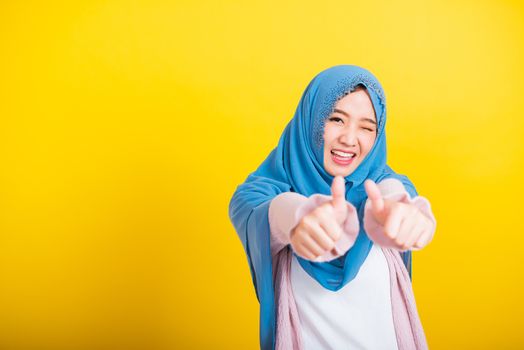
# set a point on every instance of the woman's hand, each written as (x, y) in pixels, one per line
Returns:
(406, 226)
(318, 231)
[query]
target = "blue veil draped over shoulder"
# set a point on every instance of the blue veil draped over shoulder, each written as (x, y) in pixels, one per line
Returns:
(296, 165)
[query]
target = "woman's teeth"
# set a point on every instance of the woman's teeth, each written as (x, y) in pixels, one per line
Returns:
(343, 154)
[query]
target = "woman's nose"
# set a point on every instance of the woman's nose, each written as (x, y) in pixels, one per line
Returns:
(349, 137)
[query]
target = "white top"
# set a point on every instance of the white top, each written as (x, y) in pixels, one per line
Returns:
(357, 316)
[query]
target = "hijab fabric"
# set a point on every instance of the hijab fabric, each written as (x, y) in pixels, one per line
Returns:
(296, 165)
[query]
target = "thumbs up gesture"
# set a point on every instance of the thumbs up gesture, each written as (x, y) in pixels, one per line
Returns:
(338, 192)
(317, 232)
(403, 224)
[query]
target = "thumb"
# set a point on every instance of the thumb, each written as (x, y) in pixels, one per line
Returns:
(377, 202)
(338, 192)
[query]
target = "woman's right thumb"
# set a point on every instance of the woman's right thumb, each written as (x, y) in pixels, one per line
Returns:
(338, 192)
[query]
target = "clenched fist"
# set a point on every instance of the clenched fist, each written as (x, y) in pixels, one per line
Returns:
(317, 232)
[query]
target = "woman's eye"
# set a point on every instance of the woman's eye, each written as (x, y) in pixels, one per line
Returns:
(335, 119)
(368, 129)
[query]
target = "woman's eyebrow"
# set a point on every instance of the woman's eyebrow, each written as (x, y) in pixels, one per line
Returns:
(347, 115)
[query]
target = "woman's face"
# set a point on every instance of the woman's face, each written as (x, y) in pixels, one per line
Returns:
(349, 133)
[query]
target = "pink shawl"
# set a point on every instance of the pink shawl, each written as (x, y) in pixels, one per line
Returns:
(408, 328)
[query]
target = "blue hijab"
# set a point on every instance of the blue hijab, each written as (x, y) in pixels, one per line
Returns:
(296, 165)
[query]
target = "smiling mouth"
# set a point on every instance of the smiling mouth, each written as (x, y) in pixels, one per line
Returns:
(343, 154)
(342, 158)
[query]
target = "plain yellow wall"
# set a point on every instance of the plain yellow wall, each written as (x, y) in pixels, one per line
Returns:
(127, 125)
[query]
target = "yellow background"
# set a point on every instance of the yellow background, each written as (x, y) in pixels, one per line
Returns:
(127, 125)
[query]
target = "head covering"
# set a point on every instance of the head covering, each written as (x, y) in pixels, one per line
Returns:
(296, 165)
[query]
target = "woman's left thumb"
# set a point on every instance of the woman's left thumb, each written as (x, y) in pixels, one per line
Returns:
(374, 195)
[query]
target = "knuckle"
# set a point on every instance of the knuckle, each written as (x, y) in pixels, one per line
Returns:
(307, 254)
(297, 230)
(321, 208)
(302, 234)
(307, 221)
(398, 241)
(396, 205)
(326, 240)
(317, 211)
(325, 211)
(396, 209)
(328, 243)
(322, 215)
(329, 209)
(389, 234)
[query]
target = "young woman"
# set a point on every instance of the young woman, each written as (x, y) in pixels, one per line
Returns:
(328, 227)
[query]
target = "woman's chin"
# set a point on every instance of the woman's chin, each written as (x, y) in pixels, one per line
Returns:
(338, 170)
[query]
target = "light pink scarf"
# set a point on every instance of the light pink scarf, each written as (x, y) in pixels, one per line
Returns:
(408, 328)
